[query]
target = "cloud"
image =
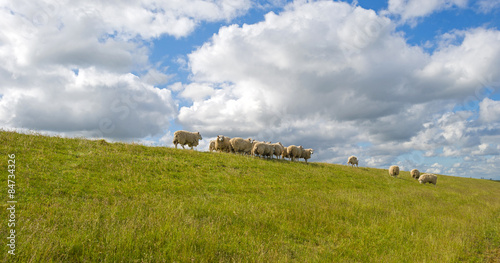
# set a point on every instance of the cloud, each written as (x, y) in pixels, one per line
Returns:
(487, 6)
(93, 103)
(410, 10)
(73, 67)
(489, 111)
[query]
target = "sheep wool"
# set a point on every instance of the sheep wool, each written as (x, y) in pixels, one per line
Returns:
(352, 160)
(415, 173)
(242, 146)
(295, 151)
(428, 178)
(306, 154)
(284, 154)
(185, 137)
(211, 146)
(263, 149)
(278, 149)
(394, 171)
(222, 143)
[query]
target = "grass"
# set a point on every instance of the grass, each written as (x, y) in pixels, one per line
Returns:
(92, 201)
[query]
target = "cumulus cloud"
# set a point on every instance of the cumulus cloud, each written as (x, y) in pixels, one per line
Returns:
(92, 104)
(410, 10)
(489, 111)
(68, 65)
(286, 71)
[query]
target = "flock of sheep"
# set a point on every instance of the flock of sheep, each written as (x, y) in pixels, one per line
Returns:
(267, 149)
(394, 172)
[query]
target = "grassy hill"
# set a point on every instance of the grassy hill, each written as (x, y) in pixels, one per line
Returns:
(92, 201)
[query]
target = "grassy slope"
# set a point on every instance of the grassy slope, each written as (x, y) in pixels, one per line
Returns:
(89, 201)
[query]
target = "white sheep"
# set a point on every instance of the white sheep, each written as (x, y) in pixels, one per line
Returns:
(222, 144)
(185, 137)
(306, 154)
(428, 178)
(278, 149)
(211, 146)
(240, 145)
(415, 173)
(285, 154)
(394, 171)
(263, 149)
(294, 151)
(352, 160)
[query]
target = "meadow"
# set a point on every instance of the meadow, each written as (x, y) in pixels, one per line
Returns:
(84, 200)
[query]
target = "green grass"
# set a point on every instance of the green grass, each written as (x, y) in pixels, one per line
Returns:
(91, 201)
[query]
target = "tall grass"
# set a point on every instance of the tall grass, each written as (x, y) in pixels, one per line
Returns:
(92, 201)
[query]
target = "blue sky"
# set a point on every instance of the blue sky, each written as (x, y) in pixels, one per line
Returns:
(406, 82)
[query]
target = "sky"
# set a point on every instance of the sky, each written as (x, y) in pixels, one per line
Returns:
(414, 83)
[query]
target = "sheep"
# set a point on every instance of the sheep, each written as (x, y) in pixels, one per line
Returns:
(394, 171)
(294, 151)
(352, 160)
(278, 149)
(263, 149)
(211, 146)
(240, 145)
(306, 154)
(428, 178)
(285, 154)
(185, 137)
(415, 173)
(222, 143)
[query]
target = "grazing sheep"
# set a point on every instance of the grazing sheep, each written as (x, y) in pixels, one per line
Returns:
(352, 160)
(185, 137)
(285, 154)
(263, 149)
(211, 146)
(306, 154)
(415, 173)
(295, 151)
(278, 149)
(394, 171)
(240, 145)
(222, 144)
(428, 178)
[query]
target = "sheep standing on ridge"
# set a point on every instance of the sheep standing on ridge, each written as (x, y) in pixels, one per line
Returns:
(306, 154)
(222, 144)
(285, 154)
(211, 146)
(278, 149)
(352, 160)
(394, 171)
(294, 151)
(240, 145)
(185, 137)
(415, 173)
(263, 149)
(428, 178)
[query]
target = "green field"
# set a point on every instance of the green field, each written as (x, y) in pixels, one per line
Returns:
(92, 201)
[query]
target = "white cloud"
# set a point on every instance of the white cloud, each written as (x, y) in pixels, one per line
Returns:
(409, 10)
(489, 111)
(286, 71)
(487, 6)
(67, 65)
(92, 104)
